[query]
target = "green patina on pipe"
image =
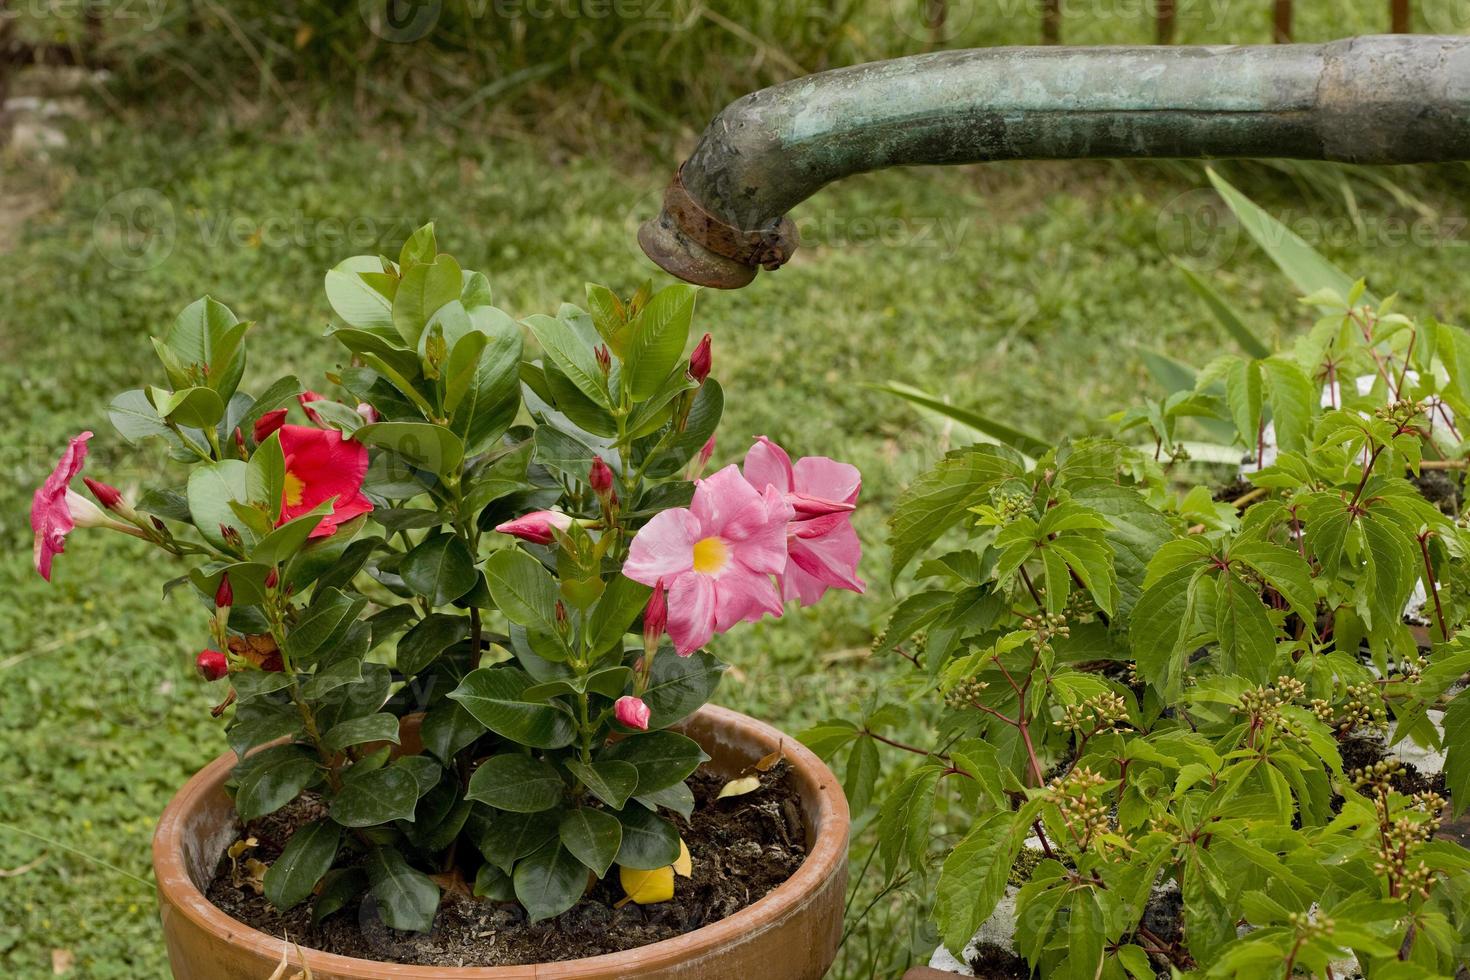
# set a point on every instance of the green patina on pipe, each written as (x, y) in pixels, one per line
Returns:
(1378, 100)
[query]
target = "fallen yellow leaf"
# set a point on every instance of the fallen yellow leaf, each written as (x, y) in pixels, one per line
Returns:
(739, 787)
(767, 761)
(647, 887)
(684, 864)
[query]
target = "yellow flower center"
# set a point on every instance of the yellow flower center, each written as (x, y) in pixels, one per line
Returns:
(710, 555)
(293, 488)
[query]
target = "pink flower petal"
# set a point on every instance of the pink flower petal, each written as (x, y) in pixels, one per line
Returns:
(691, 612)
(744, 598)
(664, 547)
(720, 497)
(820, 563)
(818, 476)
(758, 535)
(768, 464)
(51, 518)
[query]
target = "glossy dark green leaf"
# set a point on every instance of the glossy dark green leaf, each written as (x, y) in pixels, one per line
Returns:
(680, 686)
(439, 568)
(427, 639)
(522, 589)
(407, 898)
(271, 778)
(659, 336)
(621, 603)
(307, 856)
(516, 783)
(447, 728)
(380, 727)
(593, 837)
(493, 696)
(340, 888)
(506, 837)
(649, 841)
(376, 797)
(661, 758)
(549, 881)
(610, 780)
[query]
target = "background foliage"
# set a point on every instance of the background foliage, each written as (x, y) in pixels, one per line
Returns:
(1028, 291)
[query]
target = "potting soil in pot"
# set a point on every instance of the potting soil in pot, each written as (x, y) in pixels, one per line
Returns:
(742, 847)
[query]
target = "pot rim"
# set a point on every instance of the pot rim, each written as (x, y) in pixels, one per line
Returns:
(827, 852)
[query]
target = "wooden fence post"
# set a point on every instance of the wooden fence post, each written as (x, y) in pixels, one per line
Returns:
(1167, 12)
(1051, 21)
(1282, 30)
(1399, 15)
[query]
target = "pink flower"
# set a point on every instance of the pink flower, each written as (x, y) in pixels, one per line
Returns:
(368, 413)
(306, 398)
(536, 526)
(700, 361)
(56, 508)
(321, 465)
(655, 618)
(600, 476)
(716, 557)
(824, 548)
(268, 423)
(632, 712)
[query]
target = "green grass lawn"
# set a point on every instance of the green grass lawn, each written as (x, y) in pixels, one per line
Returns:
(1024, 290)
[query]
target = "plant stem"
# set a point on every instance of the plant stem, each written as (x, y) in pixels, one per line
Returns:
(1432, 586)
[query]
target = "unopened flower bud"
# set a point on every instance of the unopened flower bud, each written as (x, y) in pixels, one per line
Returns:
(601, 477)
(231, 536)
(604, 359)
(536, 526)
(224, 596)
(700, 360)
(108, 496)
(271, 579)
(632, 712)
(269, 423)
(240, 442)
(305, 399)
(368, 413)
(211, 665)
(655, 618)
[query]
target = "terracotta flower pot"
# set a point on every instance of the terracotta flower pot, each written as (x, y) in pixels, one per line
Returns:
(790, 933)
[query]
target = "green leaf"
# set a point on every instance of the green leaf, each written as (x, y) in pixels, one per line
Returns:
(1457, 752)
(937, 500)
(407, 898)
(494, 884)
(439, 568)
(270, 779)
(572, 356)
(649, 841)
(974, 878)
(616, 612)
(493, 397)
(517, 783)
(507, 837)
(1016, 439)
(522, 588)
(1303, 265)
(659, 336)
(376, 797)
(447, 728)
(423, 289)
(1244, 394)
(493, 696)
(419, 247)
(1284, 569)
(661, 758)
(404, 362)
(353, 299)
(379, 727)
(549, 881)
(340, 888)
(265, 476)
(680, 686)
(704, 418)
(285, 541)
(1160, 626)
(427, 639)
(199, 408)
(200, 336)
(904, 827)
(1246, 635)
(1294, 402)
(306, 857)
(593, 837)
(212, 487)
(861, 773)
(610, 780)
(427, 446)
(323, 623)
(135, 418)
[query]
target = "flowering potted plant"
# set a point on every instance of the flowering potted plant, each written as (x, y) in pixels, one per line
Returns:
(1198, 725)
(440, 608)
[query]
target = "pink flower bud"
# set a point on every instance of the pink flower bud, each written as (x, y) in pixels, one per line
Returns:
(632, 712)
(601, 476)
(271, 578)
(807, 506)
(240, 442)
(211, 665)
(269, 423)
(224, 596)
(700, 360)
(706, 451)
(108, 496)
(604, 359)
(655, 617)
(368, 413)
(536, 526)
(305, 398)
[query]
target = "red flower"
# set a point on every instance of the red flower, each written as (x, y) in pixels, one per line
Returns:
(211, 665)
(306, 398)
(320, 465)
(700, 361)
